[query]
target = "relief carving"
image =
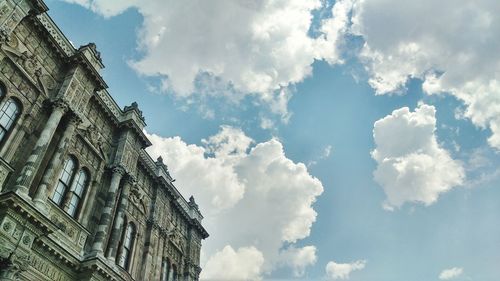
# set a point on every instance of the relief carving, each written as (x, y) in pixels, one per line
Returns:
(43, 266)
(63, 226)
(8, 226)
(137, 198)
(4, 9)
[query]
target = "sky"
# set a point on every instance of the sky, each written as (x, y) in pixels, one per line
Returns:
(347, 140)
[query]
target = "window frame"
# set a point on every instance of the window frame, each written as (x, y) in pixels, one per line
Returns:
(165, 270)
(67, 185)
(73, 194)
(5, 131)
(125, 254)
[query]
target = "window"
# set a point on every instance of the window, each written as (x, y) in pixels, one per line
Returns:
(64, 181)
(64, 196)
(8, 115)
(128, 243)
(77, 192)
(165, 270)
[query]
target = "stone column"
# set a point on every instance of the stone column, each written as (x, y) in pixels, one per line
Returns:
(159, 257)
(105, 219)
(54, 166)
(89, 203)
(119, 218)
(29, 170)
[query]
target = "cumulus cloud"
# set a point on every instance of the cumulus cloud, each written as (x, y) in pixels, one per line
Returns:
(262, 200)
(451, 48)
(212, 179)
(452, 273)
(412, 167)
(342, 271)
(256, 48)
(244, 264)
(298, 258)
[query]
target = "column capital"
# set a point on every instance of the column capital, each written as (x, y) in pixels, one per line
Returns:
(74, 119)
(117, 169)
(60, 105)
(130, 179)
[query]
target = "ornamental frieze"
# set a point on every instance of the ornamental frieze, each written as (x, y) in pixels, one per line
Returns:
(47, 269)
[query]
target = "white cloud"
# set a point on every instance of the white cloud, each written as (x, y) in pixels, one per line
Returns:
(342, 271)
(252, 195)
(452, 273)
(412, 167)
(212, 179)
(243, 264)
(452, 48)
(254, 47)
(266, 123)
(298, 258)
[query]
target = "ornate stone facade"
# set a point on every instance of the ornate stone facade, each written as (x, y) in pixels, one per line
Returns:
(80, 199)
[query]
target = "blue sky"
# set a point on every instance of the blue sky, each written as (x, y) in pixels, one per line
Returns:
(333, 107)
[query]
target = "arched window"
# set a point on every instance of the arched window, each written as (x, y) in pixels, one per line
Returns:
(77, 191)
(64, 180)
(128, 243)
(165, 270)
(8, 115)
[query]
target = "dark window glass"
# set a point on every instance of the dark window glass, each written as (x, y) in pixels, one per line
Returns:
(128, 242)
(77, 192)
(64, 180)
(165, 271)
(8, 115)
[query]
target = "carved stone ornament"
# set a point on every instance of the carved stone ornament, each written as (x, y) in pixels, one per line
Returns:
(93, 135)
(4, 35)
(4, 10)
(30, 64)
(48, 82)
(137, 198)
(12, 265)
(60, 105)
(12, 42)
(118, 169)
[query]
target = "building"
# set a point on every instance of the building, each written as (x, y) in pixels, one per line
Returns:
(80, 199)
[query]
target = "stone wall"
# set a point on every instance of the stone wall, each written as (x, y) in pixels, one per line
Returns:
(67, 113)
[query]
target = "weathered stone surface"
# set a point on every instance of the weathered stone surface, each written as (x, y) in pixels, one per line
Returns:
(67, 113)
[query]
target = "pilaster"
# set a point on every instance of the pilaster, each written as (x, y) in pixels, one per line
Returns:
(25, 178)
(105, 219)
(119, 217)
(54, 166)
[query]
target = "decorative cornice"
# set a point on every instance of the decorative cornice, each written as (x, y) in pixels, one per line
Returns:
(57, 36)
(110, 104)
